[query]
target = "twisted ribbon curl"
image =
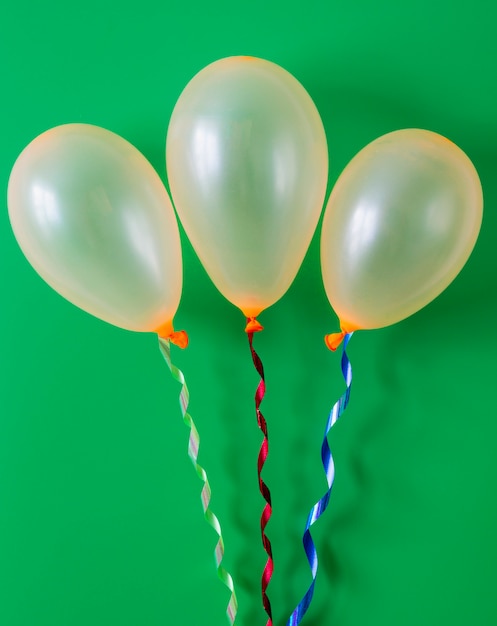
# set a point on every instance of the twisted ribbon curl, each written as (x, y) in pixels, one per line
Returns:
(252, 327)
(193, 447)
(329, 468)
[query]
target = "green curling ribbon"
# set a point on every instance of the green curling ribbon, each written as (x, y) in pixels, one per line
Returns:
(193, 447)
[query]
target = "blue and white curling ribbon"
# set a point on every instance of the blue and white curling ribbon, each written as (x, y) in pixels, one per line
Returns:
(193, 447)
(320, 507)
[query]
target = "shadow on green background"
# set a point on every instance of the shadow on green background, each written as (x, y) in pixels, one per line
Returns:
(100, 514)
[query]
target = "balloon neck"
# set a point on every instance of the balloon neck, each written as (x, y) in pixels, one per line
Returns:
(179, 338)
(334, 340)
(253, 326)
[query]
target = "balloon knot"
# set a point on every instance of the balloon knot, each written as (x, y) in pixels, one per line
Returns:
(179, 338)
(253, 326)
(166, 331)
(334, 340)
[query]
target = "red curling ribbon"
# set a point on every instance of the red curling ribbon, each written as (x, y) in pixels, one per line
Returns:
(252, 327)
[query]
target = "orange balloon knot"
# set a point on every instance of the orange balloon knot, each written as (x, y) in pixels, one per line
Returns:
(334, 340)
(253, 326)
(166, 331)
(179, 338)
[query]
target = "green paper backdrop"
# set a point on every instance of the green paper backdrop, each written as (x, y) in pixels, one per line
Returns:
(100, 514)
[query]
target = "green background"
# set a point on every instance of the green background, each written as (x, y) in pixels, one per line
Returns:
(100, 514)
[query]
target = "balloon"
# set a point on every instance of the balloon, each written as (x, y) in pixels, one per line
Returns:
(247, 164)
(95, 221)
(399, 225)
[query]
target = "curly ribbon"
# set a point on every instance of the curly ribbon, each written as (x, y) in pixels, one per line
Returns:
(329, 468)
(193, 447)
(252, 327)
